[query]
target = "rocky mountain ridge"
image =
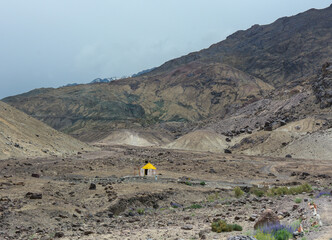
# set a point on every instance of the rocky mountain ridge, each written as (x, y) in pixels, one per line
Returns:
(288, 49)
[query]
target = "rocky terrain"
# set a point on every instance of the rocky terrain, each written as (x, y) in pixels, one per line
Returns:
(98, 195)
(231, 130)
(22, 136)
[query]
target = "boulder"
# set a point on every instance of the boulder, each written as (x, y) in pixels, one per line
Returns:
(59, 235)
(175, 205)
(268, 217)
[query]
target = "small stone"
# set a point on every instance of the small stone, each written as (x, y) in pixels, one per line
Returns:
(59, 235)
(35, 175)
(175, 205)
(88, 232)
(295, 207)
(228, 151)
(34, 195)
(92, 186)
(187, 227)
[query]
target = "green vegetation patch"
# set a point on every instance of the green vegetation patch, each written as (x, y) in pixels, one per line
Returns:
(221, 226)
(195, 206)
(257, 191)
(277, 191)
(238, 192)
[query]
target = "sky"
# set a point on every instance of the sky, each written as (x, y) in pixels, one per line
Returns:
(55, 42)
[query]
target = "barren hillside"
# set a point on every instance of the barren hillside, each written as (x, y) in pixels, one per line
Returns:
(24, 136)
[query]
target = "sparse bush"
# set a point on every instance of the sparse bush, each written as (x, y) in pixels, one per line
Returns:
(188, 183)
(324, 193)
(236, 227)
(277, 231)
(195, 206)
(213, 197)
(258, 192)
(202, 183)
(238, 192)
(222, 226)
(282, 234)
(140, 211)
(277, 191)
(263, 236)
(298, 200)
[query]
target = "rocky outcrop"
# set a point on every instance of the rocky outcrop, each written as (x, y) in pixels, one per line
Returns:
(322, 86)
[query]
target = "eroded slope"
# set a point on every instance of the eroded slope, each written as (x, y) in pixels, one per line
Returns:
(24, 136)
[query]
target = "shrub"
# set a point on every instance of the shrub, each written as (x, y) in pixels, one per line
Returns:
(213, 197)
(282, 234)
(195, 206)
(238, 192)
(140, 211)
(236, 227)
(188, 183)
(263, 236)
(324, 193)
(279, 231)
(258, 192)
(276, 191)
(202, 183)
(221, 226)
(298, 200)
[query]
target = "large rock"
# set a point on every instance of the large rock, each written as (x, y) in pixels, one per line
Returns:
(268, 217)
(322, 86)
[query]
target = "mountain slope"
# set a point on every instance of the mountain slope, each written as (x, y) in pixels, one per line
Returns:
(272, 63)
(24, 136)
(189, 93)
(288, 49)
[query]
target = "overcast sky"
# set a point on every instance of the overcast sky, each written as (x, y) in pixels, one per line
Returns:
(50, 43)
